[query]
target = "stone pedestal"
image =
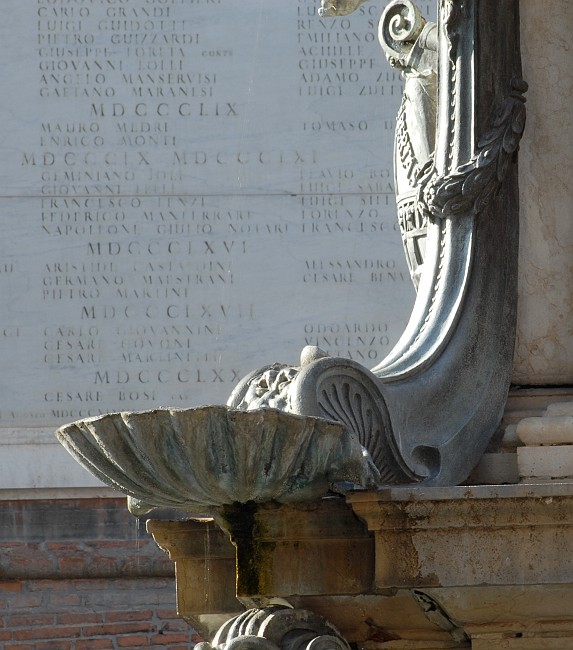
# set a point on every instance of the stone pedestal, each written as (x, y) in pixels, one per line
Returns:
(426, 568)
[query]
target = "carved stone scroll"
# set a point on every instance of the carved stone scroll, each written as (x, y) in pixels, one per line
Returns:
(427, 412)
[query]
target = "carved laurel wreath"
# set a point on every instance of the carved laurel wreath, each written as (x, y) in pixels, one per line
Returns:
(469, 188)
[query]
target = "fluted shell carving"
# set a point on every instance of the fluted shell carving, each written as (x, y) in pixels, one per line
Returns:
(336, 389)
(200, 459)
(352, 401)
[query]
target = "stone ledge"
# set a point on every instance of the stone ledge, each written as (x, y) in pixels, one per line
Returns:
(59, 494)
(551, 462)
(546, 430)
(532, 402)
(460, 492)
(464, 536)
(496, 560)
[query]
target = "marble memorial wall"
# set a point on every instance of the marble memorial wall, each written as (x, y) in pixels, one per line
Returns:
(189, 189)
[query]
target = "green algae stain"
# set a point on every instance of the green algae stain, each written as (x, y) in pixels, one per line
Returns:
(254, 553)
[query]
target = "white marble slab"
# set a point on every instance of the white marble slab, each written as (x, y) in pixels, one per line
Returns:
(544, 348)
(189, 190)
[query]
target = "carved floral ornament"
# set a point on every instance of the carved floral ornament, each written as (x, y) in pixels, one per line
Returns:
(428, 410)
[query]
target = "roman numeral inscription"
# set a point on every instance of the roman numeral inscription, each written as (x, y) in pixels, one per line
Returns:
(189, 190)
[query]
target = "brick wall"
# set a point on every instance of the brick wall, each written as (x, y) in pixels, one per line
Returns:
(84, 575)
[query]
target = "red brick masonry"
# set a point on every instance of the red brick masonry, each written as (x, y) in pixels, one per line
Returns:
(84, 575)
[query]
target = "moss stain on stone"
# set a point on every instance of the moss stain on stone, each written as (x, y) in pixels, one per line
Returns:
(254, 555)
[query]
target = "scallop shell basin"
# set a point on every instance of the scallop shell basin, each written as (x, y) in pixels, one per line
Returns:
(203, 458)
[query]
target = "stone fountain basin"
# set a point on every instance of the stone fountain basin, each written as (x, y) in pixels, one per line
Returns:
(203, 458)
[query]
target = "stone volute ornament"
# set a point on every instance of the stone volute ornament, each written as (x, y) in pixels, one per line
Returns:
(427, 412)
(277, 628)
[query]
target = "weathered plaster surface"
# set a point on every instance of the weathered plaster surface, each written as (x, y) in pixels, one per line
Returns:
(544, 347)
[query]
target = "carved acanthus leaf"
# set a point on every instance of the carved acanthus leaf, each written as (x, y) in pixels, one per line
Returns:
(269, 387)
(468, 189)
